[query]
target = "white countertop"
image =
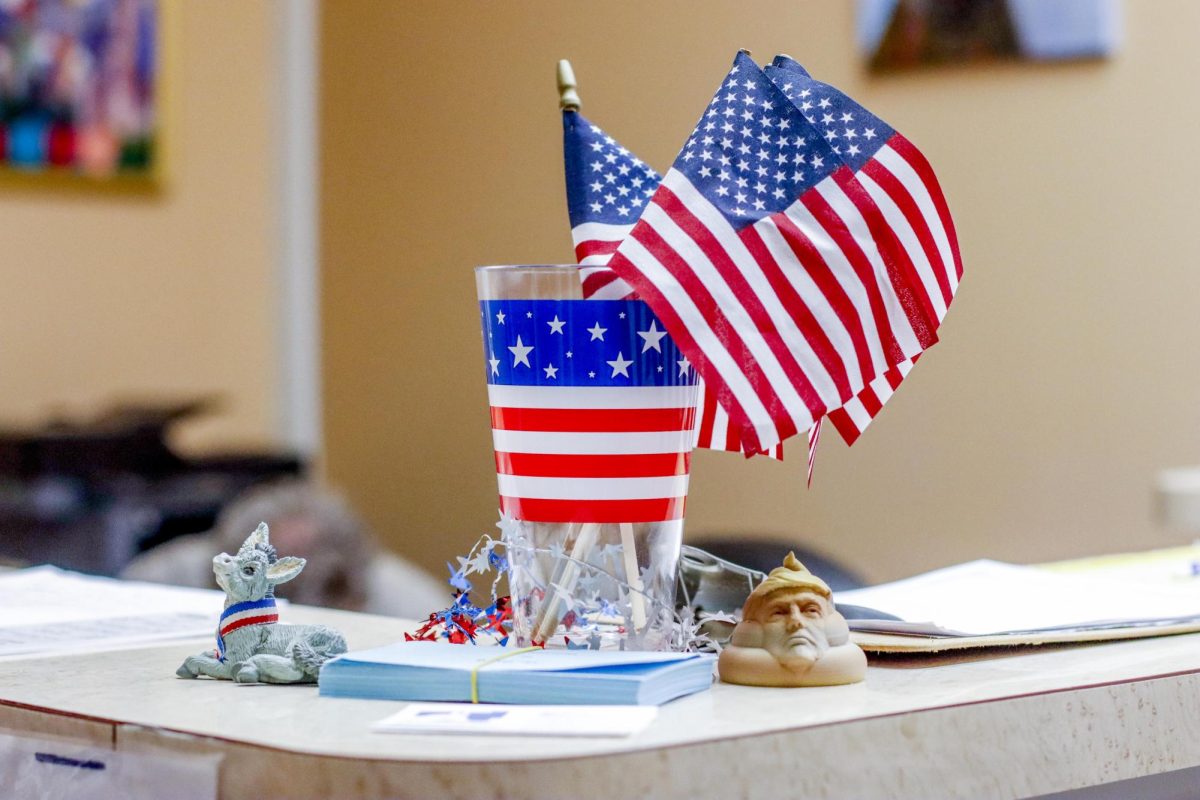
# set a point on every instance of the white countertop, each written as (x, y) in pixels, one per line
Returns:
(139, 687)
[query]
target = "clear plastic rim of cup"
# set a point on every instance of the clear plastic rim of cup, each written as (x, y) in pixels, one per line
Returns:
(544, 281)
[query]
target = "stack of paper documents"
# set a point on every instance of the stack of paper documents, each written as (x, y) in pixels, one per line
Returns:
(49, 610)
(983, 603)
(442, 671)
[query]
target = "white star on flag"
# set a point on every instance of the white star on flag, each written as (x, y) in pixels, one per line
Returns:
(597, 332)
(521, 353)
(495, 362)
(652, 337)
(551, 371)
(556, 324)
(620, 366)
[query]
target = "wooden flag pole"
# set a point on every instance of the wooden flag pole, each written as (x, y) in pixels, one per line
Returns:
(633, 576)
(549, 618)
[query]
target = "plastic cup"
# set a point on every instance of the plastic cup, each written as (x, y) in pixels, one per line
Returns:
(592, 409)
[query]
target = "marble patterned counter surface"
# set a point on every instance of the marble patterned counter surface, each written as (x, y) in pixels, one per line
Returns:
(1017, 724)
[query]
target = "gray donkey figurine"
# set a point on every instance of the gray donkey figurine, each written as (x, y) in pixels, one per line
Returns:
(252, 647)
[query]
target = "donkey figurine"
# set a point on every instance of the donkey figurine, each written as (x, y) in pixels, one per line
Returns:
(251, 646)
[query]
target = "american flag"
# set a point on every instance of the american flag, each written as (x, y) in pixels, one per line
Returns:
(901, 182)
(774, 269)
(592, 408)
(607, 188)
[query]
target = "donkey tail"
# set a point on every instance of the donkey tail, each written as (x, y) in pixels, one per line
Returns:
(315, 649)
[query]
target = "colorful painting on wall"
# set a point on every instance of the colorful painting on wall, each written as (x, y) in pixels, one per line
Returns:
(903, 34)
(79, 90)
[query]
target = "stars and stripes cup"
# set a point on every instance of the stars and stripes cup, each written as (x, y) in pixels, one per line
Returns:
(592, 410)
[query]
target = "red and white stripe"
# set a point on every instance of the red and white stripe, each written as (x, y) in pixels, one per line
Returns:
(901, 182)
(853, 418)
(788, 317)
(592, 454)
(715, 431)
(252, 616)
(814, 436)
(595, 242)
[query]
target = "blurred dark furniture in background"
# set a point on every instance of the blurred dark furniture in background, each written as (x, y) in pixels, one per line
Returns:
(764, 555)
(90, 495)
(717, 574)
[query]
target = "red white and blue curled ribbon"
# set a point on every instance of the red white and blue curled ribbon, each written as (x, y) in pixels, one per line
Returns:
(243, 615)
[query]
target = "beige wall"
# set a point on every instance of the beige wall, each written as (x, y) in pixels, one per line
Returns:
(1066, 375)
(169, 294)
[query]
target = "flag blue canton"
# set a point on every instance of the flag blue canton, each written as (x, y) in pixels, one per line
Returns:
(605, 181)
(853, 133)
(579, 343)
(753, 153)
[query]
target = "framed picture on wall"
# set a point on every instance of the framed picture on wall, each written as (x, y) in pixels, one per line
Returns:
(905, 34)
(81, 92)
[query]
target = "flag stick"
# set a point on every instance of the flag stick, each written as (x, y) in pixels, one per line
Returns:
(633, 576)
(548, 618)
(568, 100)
(568, 97)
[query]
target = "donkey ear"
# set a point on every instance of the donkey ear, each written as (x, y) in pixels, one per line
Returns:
(285, 569)
(260, 536)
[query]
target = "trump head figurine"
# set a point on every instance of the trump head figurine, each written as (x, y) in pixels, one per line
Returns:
(791, 635)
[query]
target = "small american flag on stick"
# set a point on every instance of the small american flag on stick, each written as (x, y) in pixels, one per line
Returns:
(776, 272)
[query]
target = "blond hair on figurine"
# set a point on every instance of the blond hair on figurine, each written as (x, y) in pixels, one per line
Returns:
(792, 575)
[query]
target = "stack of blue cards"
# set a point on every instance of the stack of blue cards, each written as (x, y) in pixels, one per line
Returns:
(443, 671)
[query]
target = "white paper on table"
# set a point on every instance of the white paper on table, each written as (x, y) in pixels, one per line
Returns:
(46, 609)
(481, 719)
(59, 770)
(990, 597)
